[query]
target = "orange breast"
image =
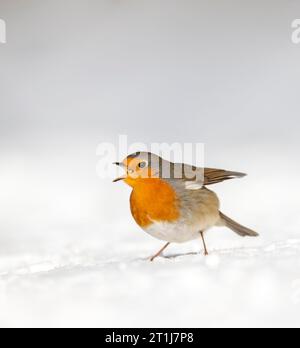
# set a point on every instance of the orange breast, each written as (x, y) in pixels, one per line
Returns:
(153, 200)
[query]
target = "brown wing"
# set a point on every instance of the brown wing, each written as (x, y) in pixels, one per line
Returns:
(213, 176)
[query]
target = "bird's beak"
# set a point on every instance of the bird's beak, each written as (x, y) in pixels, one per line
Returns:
(121, 177)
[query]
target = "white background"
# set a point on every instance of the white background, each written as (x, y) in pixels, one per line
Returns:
(77, 73)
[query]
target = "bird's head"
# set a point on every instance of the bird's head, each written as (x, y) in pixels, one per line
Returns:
(141, 166)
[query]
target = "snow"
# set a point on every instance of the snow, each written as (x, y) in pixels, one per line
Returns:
(72, 256)
(117, 286)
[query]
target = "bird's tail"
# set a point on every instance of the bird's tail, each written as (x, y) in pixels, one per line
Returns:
(237, 228)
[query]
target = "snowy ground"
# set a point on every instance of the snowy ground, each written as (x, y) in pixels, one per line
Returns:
(118, 287)
(71, 255)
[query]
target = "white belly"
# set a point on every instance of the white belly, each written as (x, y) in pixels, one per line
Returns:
(184, 230)
(173, 233)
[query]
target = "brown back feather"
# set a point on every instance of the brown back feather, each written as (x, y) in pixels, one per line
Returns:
(214, 176)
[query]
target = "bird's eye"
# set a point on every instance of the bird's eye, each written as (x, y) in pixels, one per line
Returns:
(142, 165)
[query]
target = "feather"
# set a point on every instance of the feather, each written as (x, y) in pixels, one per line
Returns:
(214, 176)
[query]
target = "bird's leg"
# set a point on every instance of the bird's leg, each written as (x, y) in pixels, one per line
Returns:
(205, 248)
(160, 251)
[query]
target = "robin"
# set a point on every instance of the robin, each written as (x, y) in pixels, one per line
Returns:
(171, 202)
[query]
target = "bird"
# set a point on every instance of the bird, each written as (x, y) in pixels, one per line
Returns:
(171, 201)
